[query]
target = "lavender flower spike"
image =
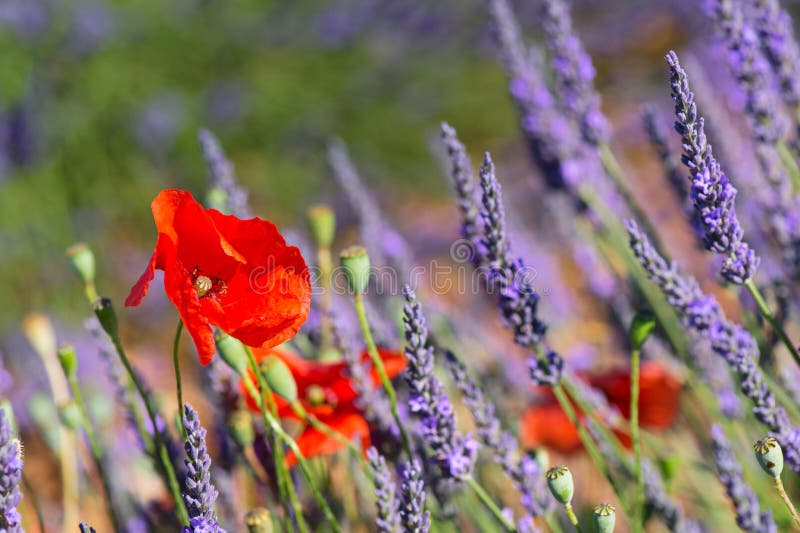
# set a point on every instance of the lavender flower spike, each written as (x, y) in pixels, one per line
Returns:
(778, 42)
(735, 345)
(455, 454)
(748, 514)
(388, 520)
(712, 193)
(221, 176)
(10, 475)
(464, 183)
(574, 73)
(199, 494)
(414, 517)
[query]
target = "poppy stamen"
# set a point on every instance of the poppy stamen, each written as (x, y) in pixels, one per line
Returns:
(203, 284)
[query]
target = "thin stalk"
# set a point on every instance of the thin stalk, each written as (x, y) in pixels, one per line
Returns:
(767, 313)
(572, 517)
(786, 500)
(325, 267)
(34, 499)
(161, 449)
(273, 423)
(372, 349)
(552, 523)
(638, 513)
(789, 163)
(97, 452)
(175, 345)
(490, 504)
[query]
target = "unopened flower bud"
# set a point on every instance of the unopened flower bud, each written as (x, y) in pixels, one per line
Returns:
(68, 359)
(232, 352)
(322, 222)
(240, 427)
(559, 481)
(355, 262)
(769, 455)
(104, 311)
(39, 331)
(279, 378)
(642, 326)
(70, 415)
(258, 520)
(604, 518)
(81, 258)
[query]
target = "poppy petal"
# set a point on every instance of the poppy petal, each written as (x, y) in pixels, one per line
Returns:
(313, 442)
(549, 426)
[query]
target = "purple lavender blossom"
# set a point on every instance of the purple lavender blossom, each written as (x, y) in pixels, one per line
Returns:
(388, 519)
(198, 494)
(221, 175)
(83, 527)
(158, 123)
(658, 502)
(453, 453)
(712, 193)
(464, 184)
(748, 514)
(702, 314)
(413, 516)
(574, 73)
(91, 24)
(523, 471)
(778, 42)
(10, 475)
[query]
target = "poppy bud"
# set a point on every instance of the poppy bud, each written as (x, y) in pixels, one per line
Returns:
(330, 355)
(279, 377)
(232, 352)
(559, 481)
(70, 415)
(68, 359)
(258, 520)
(240, 427)
(322, 222)
(104, 311)
(769, 455)
(81, 258)
(355, 262)
(315, 395)
(642, 326)
(217, 198)
(39, 331)
(604, 518)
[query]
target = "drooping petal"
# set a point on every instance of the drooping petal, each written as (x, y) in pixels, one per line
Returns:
(313, 442)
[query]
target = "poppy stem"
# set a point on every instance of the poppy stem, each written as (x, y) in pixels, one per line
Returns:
(372, 349)
(785, 497)
(172, 480)
(175, 345)
(572, 518)
(767, 313)
(490, 504)
(276, 427)
(638, 501)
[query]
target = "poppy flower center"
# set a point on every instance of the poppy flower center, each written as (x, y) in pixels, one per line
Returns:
(205, 286)
(315, 395)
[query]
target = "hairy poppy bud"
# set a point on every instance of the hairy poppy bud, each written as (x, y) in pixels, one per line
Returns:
(39, 331)
(232, 352)
(604, 518)
(81, 258)
(769, 455)
(279, 377)
(258, 520)
(70, 415)
(642, 326)
(240, 427)
(355, 262)
(322, 222)
(104, 311)
(559, 481)
(68, 359)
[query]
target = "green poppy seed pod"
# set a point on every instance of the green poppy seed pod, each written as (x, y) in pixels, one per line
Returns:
(769, 455)
(642, 326)
(355, 262)
(70, 415)
(559, 481)
(81, 258)
(258, 520)
(604, 518)
(40, 333)
(104, 311)
(322, 222)
(240, 427)
(68, 359)
(217, 198)
(232, 352)
(279, 377)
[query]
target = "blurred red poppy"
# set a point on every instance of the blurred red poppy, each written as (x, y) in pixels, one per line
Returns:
(325, 391)
(546, 424)
(219, 270)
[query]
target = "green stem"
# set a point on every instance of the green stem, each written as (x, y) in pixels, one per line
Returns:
(97, 451)
(372, 349)
(786, 500)
(767, 313)
(276, 427)
(789, 163)
(37, 508)
(638, 514)
(614, 170)
(572, 518)
(175, 345)
(161, 449)
(490, 504)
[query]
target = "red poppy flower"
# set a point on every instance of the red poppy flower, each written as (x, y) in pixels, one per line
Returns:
(547, 425)
(237, 275)
(324, 390)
